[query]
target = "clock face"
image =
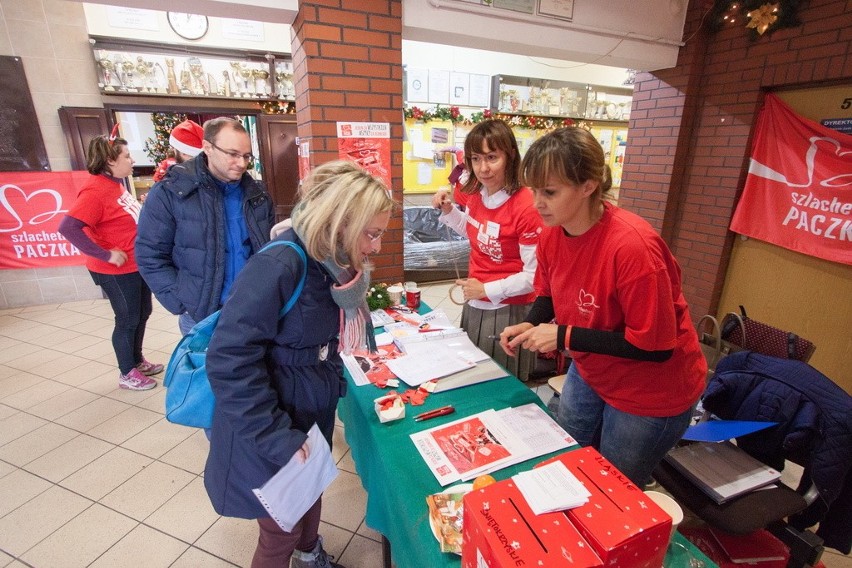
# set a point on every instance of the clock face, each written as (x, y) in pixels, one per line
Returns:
(188, 26)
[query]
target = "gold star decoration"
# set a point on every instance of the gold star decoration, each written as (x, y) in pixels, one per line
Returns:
(763, 17)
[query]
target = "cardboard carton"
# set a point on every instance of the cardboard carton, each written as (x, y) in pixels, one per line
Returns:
(622, 524)
(501, 531)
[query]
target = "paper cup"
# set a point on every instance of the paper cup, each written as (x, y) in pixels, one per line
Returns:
(395, 294)
(412, 299)
(668, 505)
(410, 285)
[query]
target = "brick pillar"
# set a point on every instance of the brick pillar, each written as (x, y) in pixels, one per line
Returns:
(347, 57)
(660, 152)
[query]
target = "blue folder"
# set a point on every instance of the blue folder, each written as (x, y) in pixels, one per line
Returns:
(720, 430)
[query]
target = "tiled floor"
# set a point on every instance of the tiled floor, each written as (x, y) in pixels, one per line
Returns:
(91, 475)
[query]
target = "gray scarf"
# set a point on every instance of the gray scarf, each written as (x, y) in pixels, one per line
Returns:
(350, 294)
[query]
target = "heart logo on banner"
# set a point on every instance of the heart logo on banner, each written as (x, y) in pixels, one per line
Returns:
(43, 216)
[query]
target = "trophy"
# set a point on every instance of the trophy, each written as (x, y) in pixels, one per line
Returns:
(245, 73)
(171, 80)
(236, 66)
(185, 80)
(227, 83)
(263, 76)
(160, 81)
(107, 67)
(127, 67)
(199, 85)
(145, 69)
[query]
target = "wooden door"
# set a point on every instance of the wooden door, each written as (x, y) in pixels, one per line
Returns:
(278, 153)
(80, 125)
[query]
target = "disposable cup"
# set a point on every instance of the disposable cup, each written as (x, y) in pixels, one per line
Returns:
(395, 294)
(668, 505)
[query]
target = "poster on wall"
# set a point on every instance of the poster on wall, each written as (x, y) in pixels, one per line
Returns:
(439, 87)
(562, 9)
(132, 18)
(798, 192)
(480, 91)
(417, 85)
(368, 145)
(31, 206)
(21, 145)
(459, 88)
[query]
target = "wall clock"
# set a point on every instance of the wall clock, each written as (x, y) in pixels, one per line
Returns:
(188, 26)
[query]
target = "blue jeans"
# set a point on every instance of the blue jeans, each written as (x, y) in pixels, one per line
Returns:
(634, 444)
(130, 299)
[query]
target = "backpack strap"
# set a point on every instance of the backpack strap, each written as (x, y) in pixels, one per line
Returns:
(298, 291)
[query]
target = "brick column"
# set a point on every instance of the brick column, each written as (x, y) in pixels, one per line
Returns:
(347, 58)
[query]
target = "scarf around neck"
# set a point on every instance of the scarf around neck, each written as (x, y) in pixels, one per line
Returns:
(350, 294)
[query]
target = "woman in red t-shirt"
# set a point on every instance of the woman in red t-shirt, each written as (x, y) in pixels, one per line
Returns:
(102, 224)
(503, 228)
(614, 288)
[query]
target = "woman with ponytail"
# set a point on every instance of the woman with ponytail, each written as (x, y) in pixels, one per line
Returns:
(614, 289)
(102, 225)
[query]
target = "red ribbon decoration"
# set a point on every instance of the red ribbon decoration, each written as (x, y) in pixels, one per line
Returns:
(114, 134)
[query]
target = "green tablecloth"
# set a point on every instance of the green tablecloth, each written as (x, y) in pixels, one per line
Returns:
(397, 480)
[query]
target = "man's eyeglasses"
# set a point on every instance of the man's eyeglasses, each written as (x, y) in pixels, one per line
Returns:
(374, 235)
(247, 158)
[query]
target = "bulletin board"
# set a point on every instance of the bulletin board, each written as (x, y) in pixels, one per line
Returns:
(613, 139)
(428, 154)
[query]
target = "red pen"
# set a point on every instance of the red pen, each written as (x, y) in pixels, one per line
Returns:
(443, 411)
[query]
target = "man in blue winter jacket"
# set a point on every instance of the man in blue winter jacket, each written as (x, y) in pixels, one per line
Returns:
(201, 223)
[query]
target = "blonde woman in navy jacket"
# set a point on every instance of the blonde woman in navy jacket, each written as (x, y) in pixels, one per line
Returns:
(273, 379)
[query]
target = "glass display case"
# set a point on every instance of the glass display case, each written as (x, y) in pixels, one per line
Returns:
(139, 68)
(544, 97)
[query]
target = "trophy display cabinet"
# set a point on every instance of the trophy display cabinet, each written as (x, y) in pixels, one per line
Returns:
(147, 78)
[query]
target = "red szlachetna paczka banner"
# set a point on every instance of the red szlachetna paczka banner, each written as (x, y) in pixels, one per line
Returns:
(31, 206)
(798, 193)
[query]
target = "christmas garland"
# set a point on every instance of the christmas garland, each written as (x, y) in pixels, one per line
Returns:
(759, 16)
(452, 114)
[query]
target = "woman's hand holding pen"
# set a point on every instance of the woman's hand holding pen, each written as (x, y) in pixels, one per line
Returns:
(510, 333)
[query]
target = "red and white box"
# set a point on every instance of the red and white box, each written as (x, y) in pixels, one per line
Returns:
(624, 526)
(500, 530)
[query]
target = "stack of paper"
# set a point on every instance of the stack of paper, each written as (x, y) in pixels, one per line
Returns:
(489, 441)
(551, 487)
(722, 470)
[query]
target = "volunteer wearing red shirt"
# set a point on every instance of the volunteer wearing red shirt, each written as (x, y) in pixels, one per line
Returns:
(503, 228)
(615, 291)
(102, 224)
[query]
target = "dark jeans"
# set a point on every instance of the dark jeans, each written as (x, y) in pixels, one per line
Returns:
(130, 298)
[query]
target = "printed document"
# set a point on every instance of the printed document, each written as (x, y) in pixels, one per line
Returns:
(551, 487)
(488, 441)
(289, 494)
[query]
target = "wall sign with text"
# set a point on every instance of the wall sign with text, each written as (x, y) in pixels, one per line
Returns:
(31, 206)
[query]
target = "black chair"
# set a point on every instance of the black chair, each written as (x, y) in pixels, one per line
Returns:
(750, 386)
